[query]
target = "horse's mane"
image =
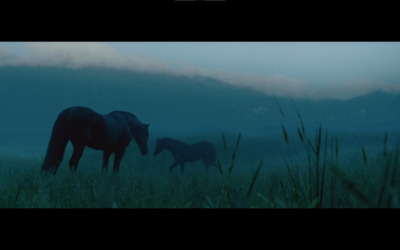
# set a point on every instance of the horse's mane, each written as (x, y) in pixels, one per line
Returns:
(124, 113)
(131, 117)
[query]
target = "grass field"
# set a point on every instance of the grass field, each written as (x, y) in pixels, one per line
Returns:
(292, 170)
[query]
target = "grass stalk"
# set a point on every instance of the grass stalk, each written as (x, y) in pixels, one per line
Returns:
(323, 170)
(285, 134)
(387, 164)
(17, 194)
(279, 106)
(253, 181)
(234, 153)
(351, 187)
(220, 167)
(224, 144)
(334, 164)
(364, 154)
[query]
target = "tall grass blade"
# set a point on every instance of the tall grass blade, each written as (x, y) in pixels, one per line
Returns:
(253, 181)
(323, 170)
(220, 167)
(353, 189)
(392, 191)
(292, 179)
(188, 204)
(336, 149)
(285, 135)
(224, 143)
(237, 145)
(318, 142)
(279, 106)
(17, 194)
(310, 175)
(314, 203)
(312, 146)
(231, 167)
(234, 153)
(317, 154)
(364, 155)
(210, 203)
(350, 186)
(270, 203)
(300, 135)
(385, 138)
(301, 122)
(299, 115)
(386, 174)
(395, 166)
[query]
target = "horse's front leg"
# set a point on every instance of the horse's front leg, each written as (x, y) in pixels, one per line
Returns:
(76, 156)
(117, 159)
(106, 157)
(206, 163)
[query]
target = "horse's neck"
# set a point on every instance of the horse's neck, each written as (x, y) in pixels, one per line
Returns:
(132, 120)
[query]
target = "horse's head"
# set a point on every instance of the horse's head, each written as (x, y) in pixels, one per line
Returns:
(141, 137)
(159, 147)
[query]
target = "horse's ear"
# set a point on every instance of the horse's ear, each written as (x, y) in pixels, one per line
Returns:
(147, 125)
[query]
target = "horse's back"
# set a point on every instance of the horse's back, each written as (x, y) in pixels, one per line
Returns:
(207, 145)
(208, 149)
(79, 115)
(78, 110)
(82, 117)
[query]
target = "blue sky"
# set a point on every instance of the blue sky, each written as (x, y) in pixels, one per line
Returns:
(338, 70)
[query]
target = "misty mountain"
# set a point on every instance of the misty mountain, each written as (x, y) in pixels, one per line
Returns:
(32, 97)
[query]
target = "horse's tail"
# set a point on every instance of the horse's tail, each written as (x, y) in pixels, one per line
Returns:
(58, 141)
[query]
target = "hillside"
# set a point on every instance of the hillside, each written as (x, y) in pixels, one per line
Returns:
(32, 97)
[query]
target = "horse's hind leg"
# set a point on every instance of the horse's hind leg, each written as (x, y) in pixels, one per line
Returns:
(76, 156)
(106, 157)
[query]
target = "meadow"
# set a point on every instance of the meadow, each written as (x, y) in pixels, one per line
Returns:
(293, 169)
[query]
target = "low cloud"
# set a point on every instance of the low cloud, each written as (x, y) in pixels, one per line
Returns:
(6, 55)
(77, 55)
(275, 85)
(283, 86)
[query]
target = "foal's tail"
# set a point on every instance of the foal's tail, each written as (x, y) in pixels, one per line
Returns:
(58, 141)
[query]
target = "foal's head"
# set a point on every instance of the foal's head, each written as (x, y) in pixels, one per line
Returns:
(160, 145)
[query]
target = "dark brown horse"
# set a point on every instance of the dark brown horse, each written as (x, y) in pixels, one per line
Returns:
(111, 133)
(183, 152)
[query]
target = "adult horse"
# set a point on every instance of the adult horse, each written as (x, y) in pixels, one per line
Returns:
(111, 133)
(183, 152)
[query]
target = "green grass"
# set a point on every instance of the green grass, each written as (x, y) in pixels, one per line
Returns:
(298, 169)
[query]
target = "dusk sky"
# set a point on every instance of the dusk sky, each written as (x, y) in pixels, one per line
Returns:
(339, 70)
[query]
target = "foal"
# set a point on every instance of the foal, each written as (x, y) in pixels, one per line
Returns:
(183, 152)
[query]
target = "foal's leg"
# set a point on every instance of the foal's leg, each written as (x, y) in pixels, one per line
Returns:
(76, 156)
(106, 157)
(173, 165)
(182, 167)
(117, 159)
